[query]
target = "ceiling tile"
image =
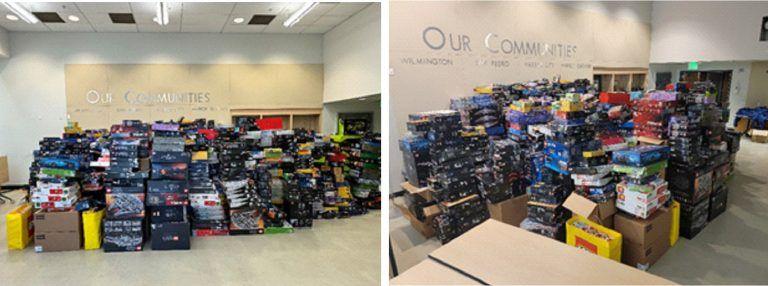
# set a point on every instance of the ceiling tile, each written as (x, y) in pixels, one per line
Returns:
(279, 29)
(346, 9)
(104, 7)
(60, 7)
(258, 8)
(149, 8)
(155, 28)
(70, 27)
(109, 28)
(330, 20)
(316, 29)
(216, 20)
(97, 18)
(200, 28)
(244, 28)
(207, 8)
(21, 26)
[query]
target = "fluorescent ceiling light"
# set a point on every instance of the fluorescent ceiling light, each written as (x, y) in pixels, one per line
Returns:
(239, 20)
(296, 16)
(21, 12)
(73, 18)
(161, 16)
(11, 17)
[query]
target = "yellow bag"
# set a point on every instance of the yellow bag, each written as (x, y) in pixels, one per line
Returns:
(19, 227)
(582, 239)
(674, 233)
(92, 229)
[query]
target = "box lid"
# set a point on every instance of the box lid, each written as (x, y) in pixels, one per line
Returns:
(580, 205)
(423, 192)
(496, 253)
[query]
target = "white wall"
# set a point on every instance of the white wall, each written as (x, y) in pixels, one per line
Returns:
(32, 94)
(331, 112)
(707, 31)
(5, 44)
(740, 80)
(423, 78)
(352, 56)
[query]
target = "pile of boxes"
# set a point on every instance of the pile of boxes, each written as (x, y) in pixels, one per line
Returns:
(168, 191)
(580, 159)
(481, 110)
(650, 114)
(642, 189)
(124, 225)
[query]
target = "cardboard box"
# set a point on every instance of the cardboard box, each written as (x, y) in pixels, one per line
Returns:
(642, 256)
(644, 231)
(4, 178)
(511, 211)
(57, 230)
(423, 192)
(425, 227)
(517, 257)
(759, 136)
(19, 227)
(601, 213)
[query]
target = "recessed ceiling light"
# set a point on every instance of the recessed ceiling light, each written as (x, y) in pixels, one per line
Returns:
(73, 18)
(11, 17)
(239, 20)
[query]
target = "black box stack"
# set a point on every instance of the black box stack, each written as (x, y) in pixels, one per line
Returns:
(124, 227)
(453, 180)
(168, 190)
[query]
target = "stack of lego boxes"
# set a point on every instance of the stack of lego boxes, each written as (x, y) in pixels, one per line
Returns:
(643, 189)
(593, 179)
(124, 227)
(168, 191)
(453, 182)
(546, 215)
(651, 114)
(508, 168)
(209, 218)
(240, 192)
(299, 198)
(481, 110)
(567, 138)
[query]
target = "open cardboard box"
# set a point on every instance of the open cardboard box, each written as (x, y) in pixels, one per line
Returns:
(424, 227)
(512, 211)
(414, 190)
(601, 213)
(495, 253)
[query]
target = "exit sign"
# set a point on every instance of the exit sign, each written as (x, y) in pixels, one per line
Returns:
(693, 66)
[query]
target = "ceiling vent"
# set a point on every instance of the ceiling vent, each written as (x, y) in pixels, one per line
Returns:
(48, 17)
(261, 19)
(122, 18)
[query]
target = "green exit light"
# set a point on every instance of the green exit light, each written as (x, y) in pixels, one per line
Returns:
(693, 66)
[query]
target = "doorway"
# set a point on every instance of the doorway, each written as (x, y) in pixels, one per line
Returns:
(721, 79)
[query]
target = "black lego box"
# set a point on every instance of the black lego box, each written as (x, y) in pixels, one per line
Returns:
(170, 236)
(170, 157)
(167, 186)
(167, 214)
(693, 218)
(169, 171)
(123, 235)
(718, 201)
(167, 199)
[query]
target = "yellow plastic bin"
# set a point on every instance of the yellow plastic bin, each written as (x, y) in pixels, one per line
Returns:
(92, 229)
(674, 233)
(609, 248)
(19, 227)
